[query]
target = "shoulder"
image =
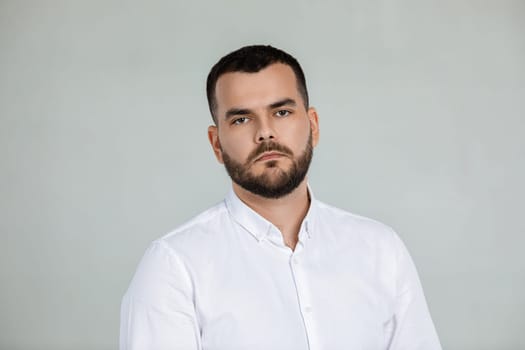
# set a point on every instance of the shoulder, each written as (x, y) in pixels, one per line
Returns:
(346, 225)
(201, 228)
(344, 219)
(170, 252)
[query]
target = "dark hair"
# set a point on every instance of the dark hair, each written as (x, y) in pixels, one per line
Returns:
(251, 59)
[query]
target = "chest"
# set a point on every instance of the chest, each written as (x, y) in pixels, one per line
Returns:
(268, 298)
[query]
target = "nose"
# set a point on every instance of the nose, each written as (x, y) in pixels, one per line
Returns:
(265, 131)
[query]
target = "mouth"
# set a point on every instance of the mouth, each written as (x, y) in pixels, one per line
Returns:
(269, 156)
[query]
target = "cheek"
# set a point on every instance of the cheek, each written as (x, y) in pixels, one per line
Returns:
(236, 147)
(297, 137)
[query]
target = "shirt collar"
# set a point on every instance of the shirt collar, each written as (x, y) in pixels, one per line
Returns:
(258, 226)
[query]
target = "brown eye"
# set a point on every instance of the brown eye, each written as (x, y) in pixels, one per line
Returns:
(282, 113)
(240, 120)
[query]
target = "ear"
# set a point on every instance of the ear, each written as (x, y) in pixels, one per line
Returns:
(314, 125)
(213, 137)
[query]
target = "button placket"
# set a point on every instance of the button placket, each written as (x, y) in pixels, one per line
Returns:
(303, 296)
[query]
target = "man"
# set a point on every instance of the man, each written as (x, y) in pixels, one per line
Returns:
(272, 267)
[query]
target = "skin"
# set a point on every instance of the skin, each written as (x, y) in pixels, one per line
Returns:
(247, 115)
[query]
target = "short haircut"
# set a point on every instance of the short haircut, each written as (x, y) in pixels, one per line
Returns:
(251, 59)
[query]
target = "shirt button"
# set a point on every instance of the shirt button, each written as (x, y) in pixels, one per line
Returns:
(308, 309)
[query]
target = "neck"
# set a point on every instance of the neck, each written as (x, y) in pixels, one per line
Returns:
(286, 213)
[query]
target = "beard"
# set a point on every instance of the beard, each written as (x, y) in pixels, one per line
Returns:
(277, 182)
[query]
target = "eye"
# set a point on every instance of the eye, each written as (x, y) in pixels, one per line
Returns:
(239, 121)
(283, 113)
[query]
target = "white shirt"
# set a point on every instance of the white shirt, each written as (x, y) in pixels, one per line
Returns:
(225, 280)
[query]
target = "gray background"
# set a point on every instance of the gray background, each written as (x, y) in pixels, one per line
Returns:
(103, 147)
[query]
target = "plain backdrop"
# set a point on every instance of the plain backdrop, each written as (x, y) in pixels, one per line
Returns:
(103, 147)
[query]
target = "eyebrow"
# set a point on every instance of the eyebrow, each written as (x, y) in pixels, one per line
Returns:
(236, 111)
(244, 111)
(285, 102)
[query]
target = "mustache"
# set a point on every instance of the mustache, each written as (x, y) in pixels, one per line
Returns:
(269, 147)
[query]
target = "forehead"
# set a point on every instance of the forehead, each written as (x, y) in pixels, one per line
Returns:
(256, 90)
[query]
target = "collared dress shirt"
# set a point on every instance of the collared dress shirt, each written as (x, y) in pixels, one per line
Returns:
(225, 280)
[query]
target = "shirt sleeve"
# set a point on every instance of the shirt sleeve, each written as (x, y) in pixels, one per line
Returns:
(157, 311)
(411, 326)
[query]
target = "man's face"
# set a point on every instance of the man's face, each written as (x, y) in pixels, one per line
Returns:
(264, 135)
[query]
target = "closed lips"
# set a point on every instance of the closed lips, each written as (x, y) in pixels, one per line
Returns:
(269, 155)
